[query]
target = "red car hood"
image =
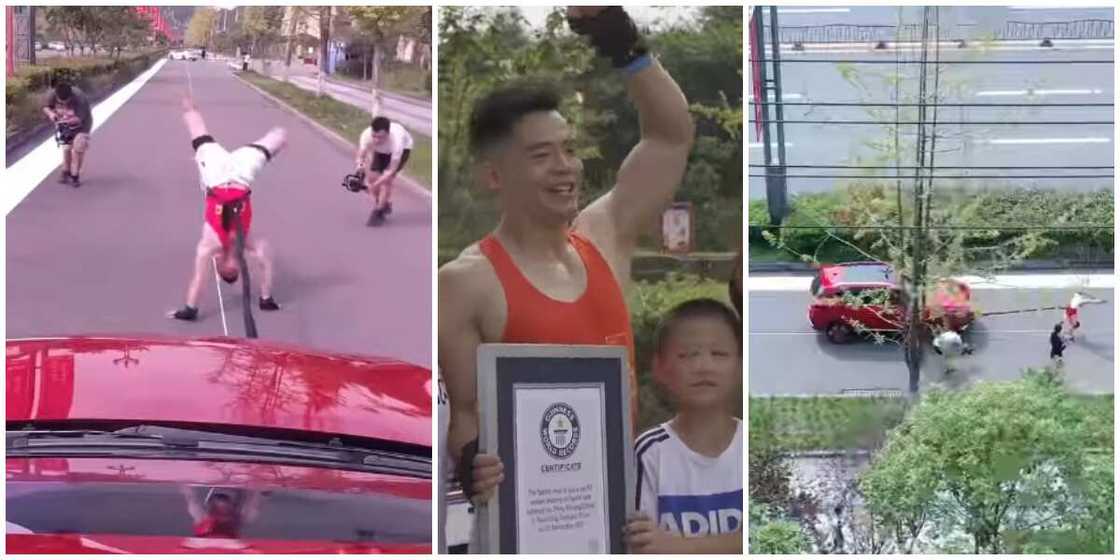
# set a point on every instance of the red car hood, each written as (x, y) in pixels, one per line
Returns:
(217, 381)
(125, 544)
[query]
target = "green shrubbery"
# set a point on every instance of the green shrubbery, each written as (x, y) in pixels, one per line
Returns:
(96, 76)
(985, 208)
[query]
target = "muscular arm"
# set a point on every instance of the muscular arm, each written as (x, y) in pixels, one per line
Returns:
(653, 170)
(458, 339)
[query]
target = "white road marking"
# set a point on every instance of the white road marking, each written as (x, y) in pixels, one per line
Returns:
(770, 95)
(814, 10)
(774, 145)
(849, 48)
(1009, 92)
(1004, 282)
(1100, 140)
(26, 174)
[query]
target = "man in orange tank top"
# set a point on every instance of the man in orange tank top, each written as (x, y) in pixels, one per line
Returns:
(549, 272)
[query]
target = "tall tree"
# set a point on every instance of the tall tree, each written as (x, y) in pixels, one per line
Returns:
(380, 24)
(201, 27)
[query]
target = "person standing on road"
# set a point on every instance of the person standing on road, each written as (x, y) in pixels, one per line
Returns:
(1057, 345)
(225, 178)
(950, 345)
(68, 108)
(390, 145)
(549, 272)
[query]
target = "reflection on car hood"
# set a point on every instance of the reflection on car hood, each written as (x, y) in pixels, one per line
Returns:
(217, 381)
(126, 544)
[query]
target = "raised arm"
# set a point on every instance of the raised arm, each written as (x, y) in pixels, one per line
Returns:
(653, 170)
(196, 126)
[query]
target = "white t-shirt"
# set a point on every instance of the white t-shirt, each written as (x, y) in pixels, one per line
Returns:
(689, 494)
(397, 142)
(218, 167)
(949, 342)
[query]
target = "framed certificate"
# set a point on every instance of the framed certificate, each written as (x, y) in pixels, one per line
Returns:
(558, 417)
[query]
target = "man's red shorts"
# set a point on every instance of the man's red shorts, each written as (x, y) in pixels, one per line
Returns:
(222, 199)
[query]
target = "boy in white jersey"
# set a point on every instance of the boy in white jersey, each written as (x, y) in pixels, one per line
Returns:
(690, 469)
(390, 145)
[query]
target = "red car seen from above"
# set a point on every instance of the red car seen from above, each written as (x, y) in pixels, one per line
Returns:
(162, 445)
(867, 297)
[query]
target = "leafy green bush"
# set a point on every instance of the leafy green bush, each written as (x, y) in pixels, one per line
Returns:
(96, 76)
(984, 208)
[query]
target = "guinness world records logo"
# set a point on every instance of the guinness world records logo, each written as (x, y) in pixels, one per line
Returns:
(559, 430)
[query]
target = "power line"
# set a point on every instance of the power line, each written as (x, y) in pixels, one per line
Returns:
(953, 166)
(955, 123)
(947, 227)
(1109, 176)
(865, 61)
(862, 104)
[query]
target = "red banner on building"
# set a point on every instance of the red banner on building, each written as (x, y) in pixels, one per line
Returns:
(9, 42)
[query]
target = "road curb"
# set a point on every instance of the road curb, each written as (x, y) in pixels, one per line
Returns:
(335, 137)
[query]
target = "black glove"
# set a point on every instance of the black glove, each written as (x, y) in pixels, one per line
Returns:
(464, 470)
(613, 34)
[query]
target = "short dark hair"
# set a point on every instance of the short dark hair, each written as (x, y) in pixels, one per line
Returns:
(63, 90)
(700, 308)
(494, 115)
(379, 124)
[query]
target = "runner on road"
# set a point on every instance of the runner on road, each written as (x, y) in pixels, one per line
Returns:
(1057, 345)
(389, 144)
(950, 345)
(226, 178)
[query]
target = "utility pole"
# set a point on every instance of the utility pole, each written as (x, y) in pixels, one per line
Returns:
(776, 189)
(916, 324)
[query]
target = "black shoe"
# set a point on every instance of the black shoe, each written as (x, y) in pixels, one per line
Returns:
(187, 313)
(64, 178)
(269, 304)
(388, 209)
(75, 181)
(376, 218)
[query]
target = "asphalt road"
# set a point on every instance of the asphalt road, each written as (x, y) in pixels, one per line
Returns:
(787, 357)
(963, 145)
(114, 255)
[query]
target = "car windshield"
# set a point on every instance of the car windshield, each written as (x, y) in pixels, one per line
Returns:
(866, 274)
(192, 511)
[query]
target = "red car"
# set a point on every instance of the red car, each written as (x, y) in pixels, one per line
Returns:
(161, 445)
(863, 297)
